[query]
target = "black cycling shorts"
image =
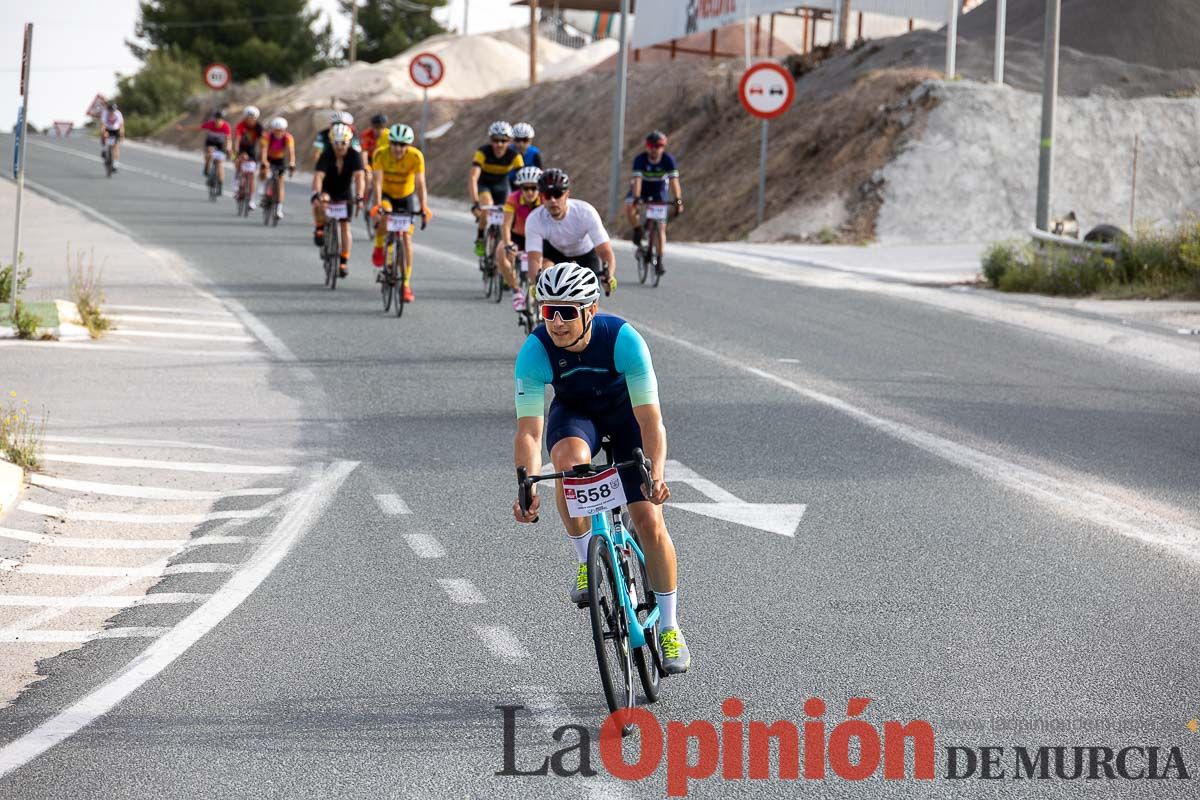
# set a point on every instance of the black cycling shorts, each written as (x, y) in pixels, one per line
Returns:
(589, 259)
(495, 185)
(410, 203)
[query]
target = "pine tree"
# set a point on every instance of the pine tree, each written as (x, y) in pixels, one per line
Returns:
(389, 27)
(277, 38)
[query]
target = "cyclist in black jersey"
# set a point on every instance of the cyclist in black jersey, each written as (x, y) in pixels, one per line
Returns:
(488, 181)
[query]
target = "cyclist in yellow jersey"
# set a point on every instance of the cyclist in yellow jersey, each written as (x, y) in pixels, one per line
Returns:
(488, 181)
(399, 185)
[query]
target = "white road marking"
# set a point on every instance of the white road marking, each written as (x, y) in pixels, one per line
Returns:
(195, 337)
(674, 471)
(788, 360)
(461, 591)
(424, 545)
(306, 508)
(204, 323)
(117, 544)
(171, 310)
(1077, 500)
(154, 443)
(131, 518)
(173, 466)
(129, 348)
(41, 636)
(153, 570)
(107, 601)
(502, 644)
(269, 340)
(146, 492)
(392, 504)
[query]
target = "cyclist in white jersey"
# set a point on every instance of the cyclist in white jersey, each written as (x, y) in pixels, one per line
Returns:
(563, 229)
(112, 126)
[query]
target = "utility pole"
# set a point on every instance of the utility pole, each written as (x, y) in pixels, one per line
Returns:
(1049, 99)
(952, 39)
(466, 15)
(533, 37)
(22, 133)
(844, 23)
(618, 141)
(354, 32)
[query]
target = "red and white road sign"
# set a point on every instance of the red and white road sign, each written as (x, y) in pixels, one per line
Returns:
(426, 70)
(217, 76)
(767, 90)
(96, 107)
(62, 128)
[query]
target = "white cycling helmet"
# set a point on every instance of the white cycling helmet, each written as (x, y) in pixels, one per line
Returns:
(499, 129)
(522, 130)
(527, 175)
(279, 124)
(340, 134)
(250, 112)
(346, 118)
(568, 283)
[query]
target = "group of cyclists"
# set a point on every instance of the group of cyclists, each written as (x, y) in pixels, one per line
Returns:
(600, 367)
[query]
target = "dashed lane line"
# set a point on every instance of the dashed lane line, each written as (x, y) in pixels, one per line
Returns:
(107, 601)
(131, 518)
(502, 643)
(154, 443)
(222, 313)
(425, 546)
(392, 504)
(146, 492)
(88, 543)
(45, 636)
(461, 591)
(154, 570)
(173, 466)
(303, 511)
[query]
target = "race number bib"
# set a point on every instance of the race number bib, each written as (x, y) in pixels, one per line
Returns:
(336, 211)
(495, 216)
(656, 211)
(588, 496)
(399, 222)
(249, 166)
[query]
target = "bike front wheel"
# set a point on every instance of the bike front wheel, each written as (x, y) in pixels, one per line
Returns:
(610, 631)
(647, 659)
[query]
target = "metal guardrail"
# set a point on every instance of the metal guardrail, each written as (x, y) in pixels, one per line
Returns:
(1043, 237)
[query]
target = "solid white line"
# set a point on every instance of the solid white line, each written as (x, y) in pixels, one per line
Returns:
(222, 313)
(203, 323)
(125, 166)
(392, 504)
(674, 471)
(192, 337)
(264, 334)
(1077, 500)
(53, 540)
(143, 519)
(461, 591)
(307, 508)
(424, 545)
(146, 492)
(107, 601)
(502, 644)
(41, 637)
(148, 571)
(86, 210)
(174, 466)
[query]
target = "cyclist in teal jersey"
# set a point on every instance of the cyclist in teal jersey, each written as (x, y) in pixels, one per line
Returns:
(604, 385)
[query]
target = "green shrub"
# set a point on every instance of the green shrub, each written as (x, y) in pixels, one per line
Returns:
(26, 322)
(6, 277)
(1001, 258)
(159, 91)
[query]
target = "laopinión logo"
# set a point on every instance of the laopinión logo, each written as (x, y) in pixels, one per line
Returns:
(854, 749)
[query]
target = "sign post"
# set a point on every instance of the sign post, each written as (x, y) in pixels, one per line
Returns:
(19, 170)
(426, 71)
(766, 91)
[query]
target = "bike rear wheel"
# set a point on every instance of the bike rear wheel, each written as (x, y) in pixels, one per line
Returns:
(610, 632)
(400, 262)
(332, 253)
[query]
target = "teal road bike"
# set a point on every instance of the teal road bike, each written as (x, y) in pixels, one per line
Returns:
(621, 604)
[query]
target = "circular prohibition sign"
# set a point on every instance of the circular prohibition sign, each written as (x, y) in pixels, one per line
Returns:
(217, 76)
(426, 70)
(766, 90)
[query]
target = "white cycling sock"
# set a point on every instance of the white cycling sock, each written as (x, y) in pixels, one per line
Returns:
(581, 545)
(666, 610)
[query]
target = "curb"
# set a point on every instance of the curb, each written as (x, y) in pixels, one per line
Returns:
(12, 479)
(69, 328)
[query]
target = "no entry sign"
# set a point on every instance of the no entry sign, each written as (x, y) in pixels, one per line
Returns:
(426, 70)
(767, 90)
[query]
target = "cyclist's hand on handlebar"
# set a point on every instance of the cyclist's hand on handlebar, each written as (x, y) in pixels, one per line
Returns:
(530, 515)
(291, 170)
(426, 215)
(661, 493)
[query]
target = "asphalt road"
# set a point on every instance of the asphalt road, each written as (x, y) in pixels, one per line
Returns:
(975, 550)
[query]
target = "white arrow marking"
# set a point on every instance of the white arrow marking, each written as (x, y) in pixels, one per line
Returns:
(779, 518)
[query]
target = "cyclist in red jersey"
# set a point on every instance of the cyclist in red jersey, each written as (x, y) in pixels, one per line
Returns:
(512, 233)
(217, 141)
(247, 135)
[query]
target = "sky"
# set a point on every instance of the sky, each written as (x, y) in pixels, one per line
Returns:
(77, 48)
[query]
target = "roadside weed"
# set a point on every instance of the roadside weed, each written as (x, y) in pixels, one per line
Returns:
(20, 433)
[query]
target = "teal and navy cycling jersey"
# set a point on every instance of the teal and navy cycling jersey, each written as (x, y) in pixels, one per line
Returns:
(654, 176)
(612, 373)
